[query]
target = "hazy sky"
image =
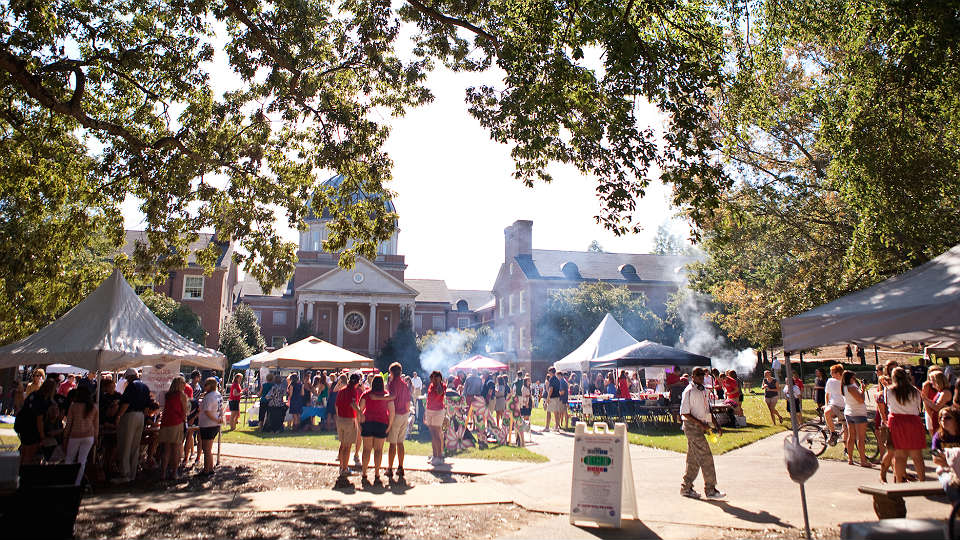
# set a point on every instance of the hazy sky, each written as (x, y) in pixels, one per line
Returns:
(456, 194)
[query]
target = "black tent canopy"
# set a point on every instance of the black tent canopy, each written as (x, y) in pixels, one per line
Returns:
(648, 354)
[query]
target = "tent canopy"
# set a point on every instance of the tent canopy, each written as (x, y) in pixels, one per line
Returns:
(245, 363)
(479, 362)
(922, 304)
(311, 353)
(649, 354)
(608, 337)
(110, 330)
(65, 369)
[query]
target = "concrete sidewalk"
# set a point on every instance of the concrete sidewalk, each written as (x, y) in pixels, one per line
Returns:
(312, 456)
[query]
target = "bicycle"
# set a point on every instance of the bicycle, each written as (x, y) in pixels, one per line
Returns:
(817, 438)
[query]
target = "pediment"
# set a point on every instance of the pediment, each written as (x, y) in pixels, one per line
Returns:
(364, 278)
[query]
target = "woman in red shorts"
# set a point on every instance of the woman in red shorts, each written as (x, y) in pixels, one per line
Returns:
(906, 428)
(376, 413)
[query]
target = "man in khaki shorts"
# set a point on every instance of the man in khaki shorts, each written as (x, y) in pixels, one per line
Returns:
(397, 432)
(554, 403)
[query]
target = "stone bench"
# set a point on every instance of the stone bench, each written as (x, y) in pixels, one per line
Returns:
(888, 498)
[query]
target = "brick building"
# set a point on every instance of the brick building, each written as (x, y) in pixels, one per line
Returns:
(528, 276)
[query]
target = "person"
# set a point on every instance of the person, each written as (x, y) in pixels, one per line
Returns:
(472, 387)
(133, 403)
(236, 392)
(172, 421)
(942, 398)
(795, 405)
(771, 395)
(564, 407)
(518, 382)
(500, 391)
(36, 381)
(733, 392)
(611, 387)
(264, 400)
(67, 385)
(717, 383)
(416, 388)
(948, 436)
(434, 416)
(526, 400)
(211, 417)
(80, 434)
(346, 412)
(697, 420)
(376, 414)
(833, 390)
(855, 412)
(276, 406)
(319, 396)
(29, 423)
(927, 392)
(195, 388)
(906, 428)
(489, 391)
(623, 386)
(295, 400)
(90, 381)
(397, 432)
(861, 355)
(552, 387)
(819, 389)
(849, 354)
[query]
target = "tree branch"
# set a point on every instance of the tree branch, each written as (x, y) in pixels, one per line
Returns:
(446, 19)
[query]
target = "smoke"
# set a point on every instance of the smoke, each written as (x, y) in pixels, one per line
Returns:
(700, 336)
(444, 351)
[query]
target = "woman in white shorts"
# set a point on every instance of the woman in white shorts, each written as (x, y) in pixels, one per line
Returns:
(436, 410)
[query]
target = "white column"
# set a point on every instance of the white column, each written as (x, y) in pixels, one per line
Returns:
(339, 323)
(310, 311)
(413, 317)
(372, 343)
(299, 312)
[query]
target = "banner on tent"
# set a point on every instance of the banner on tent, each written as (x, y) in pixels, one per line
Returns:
(158, 378)
(602, 488)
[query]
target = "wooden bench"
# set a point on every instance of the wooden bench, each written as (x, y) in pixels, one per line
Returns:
(888, 498)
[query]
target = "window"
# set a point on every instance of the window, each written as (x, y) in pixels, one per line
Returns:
(520, 307)
(418, 320)
(439, 322)
(354, 322)
(193, 287)
(500, 305)
(463, 322)
(278, 341)
(511, 307)
(279, 318)
(259, 315)
(510, 338)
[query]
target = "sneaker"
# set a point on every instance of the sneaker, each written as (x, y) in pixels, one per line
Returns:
(833, 438)
(689, 493)
(356, 460)
(716, 495)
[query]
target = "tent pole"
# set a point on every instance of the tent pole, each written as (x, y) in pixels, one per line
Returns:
(793, 424)
(876, 354)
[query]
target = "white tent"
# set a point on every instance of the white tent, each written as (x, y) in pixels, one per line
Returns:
(65, 369)
(920, 305)
(311, 353)
(608, 337)
(110, 330)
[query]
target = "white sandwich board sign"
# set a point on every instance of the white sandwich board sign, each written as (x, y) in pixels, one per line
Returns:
(602, 488)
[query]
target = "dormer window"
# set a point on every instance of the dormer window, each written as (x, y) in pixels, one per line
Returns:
(462, 305)
(570, 271)
(629, 272)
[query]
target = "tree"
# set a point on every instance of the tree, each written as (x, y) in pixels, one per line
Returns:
(595, 247)
(401, 347)
(232, 343)
(571, 315)
(180, 318)
(668, 243)
(137, 96)
(246, 322)
(303, 331)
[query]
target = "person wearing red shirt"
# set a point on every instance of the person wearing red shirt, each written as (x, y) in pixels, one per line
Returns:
(171, 426)
(376, 413)
(731, 390)
(67, 385)
(347, 410)
(672, 378)
(623, 386)
(236, 392)
(397, 433)
(436, 410)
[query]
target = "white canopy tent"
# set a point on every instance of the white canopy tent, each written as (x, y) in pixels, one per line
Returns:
(608, 337)
(110, 330)
(922, 304)
(311, 353)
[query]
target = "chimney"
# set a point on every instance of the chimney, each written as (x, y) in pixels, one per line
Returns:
(518, 239)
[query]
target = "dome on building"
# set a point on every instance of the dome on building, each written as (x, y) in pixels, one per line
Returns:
(334, 182)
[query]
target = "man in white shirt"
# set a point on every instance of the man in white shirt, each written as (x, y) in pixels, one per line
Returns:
(416, 384)
(834, 398)
(697, 420)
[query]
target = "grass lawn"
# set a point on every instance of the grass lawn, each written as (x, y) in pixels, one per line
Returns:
(418, 444)
(672, 438)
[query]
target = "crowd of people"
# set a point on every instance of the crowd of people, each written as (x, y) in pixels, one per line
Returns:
(124, 429)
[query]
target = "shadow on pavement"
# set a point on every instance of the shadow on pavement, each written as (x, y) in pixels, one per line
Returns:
(631, 528)
(747, 515)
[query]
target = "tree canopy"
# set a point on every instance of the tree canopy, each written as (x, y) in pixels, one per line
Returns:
(180, 318)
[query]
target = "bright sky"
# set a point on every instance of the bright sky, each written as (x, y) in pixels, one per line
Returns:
(456, 194)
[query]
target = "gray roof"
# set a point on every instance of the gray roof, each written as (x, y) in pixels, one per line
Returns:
(356, 196)
(251, 287)
(475, 298)
(203, 240)
(431, 290)
(594, 266)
